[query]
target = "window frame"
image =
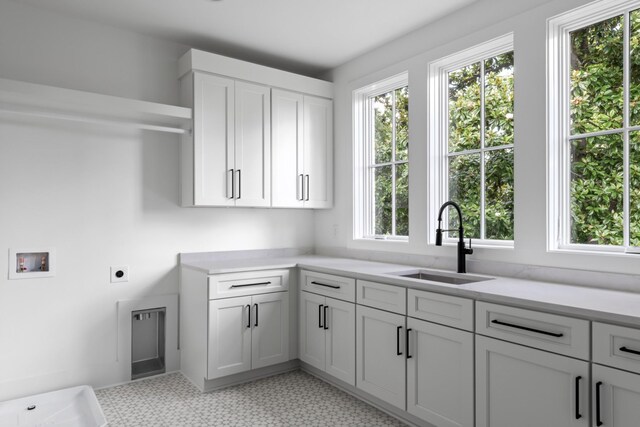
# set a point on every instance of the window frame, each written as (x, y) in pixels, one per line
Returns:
(558, 124)
(364, 159)
(439, 131)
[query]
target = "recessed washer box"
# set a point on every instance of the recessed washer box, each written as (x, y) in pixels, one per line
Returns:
(32, 263)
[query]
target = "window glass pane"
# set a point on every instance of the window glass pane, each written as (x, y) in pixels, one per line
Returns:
(383, 200)
(634, 65)
(498, 100)
(383, 126)
(498, 172)
(402, 123)
(464, 189)
(596, 76)
(402, 200)
(634, 189)
(597, 190)
(464, 108)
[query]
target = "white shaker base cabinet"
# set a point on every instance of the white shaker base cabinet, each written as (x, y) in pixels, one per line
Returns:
(247, 333)
(518, 386)
(327, 335)
(380, 355)
(440, 374)
(616, 397)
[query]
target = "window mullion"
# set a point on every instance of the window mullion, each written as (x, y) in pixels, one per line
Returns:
(625, 115)
(393, 160)
(482, 157)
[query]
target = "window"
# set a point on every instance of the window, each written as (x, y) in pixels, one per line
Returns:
(594, 128)
(472, 139)
(382, 149)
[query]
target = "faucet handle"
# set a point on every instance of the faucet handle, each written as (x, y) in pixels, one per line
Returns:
(469, 250)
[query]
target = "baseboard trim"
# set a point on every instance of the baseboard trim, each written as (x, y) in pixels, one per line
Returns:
(244, 377)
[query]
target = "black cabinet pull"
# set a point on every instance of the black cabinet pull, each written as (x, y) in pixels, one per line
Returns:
(320, 316)
(324, 284)
(407, 344)
(251, 284)
(326, 325)
(256, 324)
(301, 187)
(526, 328)
(249, 319)
(628, 350)
(578, 415)
(239, 183)
(233, 185)
(398, 351)
(598, 419)
(307, 197)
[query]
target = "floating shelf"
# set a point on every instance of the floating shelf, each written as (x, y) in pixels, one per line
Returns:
(50, 102)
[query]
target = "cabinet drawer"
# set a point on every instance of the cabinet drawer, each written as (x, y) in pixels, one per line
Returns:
(378, 295)
(558, 334)
(249, 283)
(616, 346)
(444, 309)
(338, 287)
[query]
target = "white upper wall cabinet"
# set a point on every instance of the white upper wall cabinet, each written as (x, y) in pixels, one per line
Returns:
(258, 143)
(302, 150)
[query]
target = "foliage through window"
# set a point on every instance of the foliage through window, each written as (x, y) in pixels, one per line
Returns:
(479, 147)
(603, 144)
(594, 128)
(388, 163)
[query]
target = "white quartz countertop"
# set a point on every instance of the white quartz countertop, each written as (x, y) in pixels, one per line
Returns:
(587, 302)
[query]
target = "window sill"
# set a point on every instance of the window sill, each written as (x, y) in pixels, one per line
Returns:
(595, 252)
(484, 244)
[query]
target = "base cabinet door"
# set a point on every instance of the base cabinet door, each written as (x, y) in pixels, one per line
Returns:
(229, 347)
(340, 338)
(615, 397)
(270, 336)
(525, 387)
(440, 374)
(311, 340)
(381, 367)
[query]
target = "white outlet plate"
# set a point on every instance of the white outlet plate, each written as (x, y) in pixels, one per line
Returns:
(119, 273)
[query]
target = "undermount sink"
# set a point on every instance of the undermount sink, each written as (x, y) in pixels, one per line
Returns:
(436, 276)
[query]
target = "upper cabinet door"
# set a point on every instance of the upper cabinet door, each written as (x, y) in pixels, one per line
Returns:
(318, 152)
(286, 149)
(252, 145)
(213, 140)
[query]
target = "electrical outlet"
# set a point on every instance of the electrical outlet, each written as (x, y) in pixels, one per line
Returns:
(120, 273)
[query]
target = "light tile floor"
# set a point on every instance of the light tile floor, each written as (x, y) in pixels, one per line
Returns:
(291, 399)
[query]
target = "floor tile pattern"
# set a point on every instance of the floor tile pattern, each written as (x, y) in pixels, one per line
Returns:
(291, 399)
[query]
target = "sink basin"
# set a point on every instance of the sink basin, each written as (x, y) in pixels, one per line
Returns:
(436, 276)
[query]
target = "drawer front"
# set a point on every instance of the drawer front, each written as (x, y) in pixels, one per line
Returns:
(616, 346)
(249, 283)
(337, 287)
(385, 297)
(443, 309)
(558, 334)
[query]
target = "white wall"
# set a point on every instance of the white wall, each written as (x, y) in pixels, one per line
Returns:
(479, 22)
(102, 197)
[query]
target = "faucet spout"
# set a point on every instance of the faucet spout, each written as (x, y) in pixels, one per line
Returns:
(462, 250)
